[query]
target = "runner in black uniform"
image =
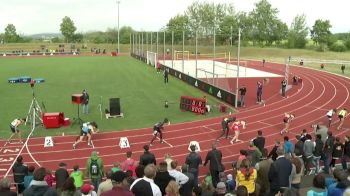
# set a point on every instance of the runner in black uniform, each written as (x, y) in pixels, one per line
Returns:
(157, 129)
(225, 127)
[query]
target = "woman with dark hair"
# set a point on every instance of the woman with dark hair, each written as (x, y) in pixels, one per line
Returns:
(69, 188)
(299, 169)
(246, 176)
(319, 186)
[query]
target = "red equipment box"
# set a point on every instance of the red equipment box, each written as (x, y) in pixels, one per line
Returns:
(77, 98)
(53, 120)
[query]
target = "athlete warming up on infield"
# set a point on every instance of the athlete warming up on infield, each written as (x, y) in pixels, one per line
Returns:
(235, 127)
(87, 129)
(15, 131)
(287, 119)
(225, 127)
(157, 130)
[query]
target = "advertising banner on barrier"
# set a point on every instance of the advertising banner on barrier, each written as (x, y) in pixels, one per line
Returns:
(221, 94)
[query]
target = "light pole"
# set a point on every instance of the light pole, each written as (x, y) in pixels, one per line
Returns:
(238, 56)
(118, 2)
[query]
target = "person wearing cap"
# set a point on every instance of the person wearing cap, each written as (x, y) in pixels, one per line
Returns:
(88, 190)
(119, 184)
(157, 130)
(38, 186)
(20, 170)
(61, 175)
(343, 113)
(85, 102)
(95, 169)
(147, 157)
(145, 186)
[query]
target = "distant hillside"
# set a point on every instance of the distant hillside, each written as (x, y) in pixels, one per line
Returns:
(45, 35)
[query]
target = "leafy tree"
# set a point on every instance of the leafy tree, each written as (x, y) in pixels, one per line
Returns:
(320, 32)
(227, 26)
(56, 40)
(125, 32)
(178, 24)
(203, 17)
(298, 32)
(68, 28)
(338, 46)
(265, 24)
(78, 38)
(10, 34)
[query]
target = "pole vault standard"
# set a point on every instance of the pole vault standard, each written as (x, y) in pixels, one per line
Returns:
(34, 113)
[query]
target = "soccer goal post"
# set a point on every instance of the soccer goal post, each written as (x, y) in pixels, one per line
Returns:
(179, 55)
(232, 67)
(152, 58)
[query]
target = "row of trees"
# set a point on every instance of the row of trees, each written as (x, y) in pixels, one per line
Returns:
(260, 27)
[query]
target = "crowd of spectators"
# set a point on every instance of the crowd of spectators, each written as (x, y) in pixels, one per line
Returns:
(256, 171)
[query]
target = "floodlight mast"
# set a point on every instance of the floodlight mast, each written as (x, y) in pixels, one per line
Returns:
(118, 2)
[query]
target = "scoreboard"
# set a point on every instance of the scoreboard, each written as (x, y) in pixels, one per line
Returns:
(196, 105)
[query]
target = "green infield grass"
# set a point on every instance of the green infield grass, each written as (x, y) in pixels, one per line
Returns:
(141, 91)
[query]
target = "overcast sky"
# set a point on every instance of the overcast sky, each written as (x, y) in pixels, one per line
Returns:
(43, 16)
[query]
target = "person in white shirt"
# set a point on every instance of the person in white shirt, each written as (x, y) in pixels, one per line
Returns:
(146, 185)
(180, 178)
(14, 128)
(330, 116)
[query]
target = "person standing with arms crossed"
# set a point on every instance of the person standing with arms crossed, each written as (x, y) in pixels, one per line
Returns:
(342, 115)
(243, 91)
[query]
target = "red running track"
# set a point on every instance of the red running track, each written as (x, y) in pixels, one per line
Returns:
(320, 92)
